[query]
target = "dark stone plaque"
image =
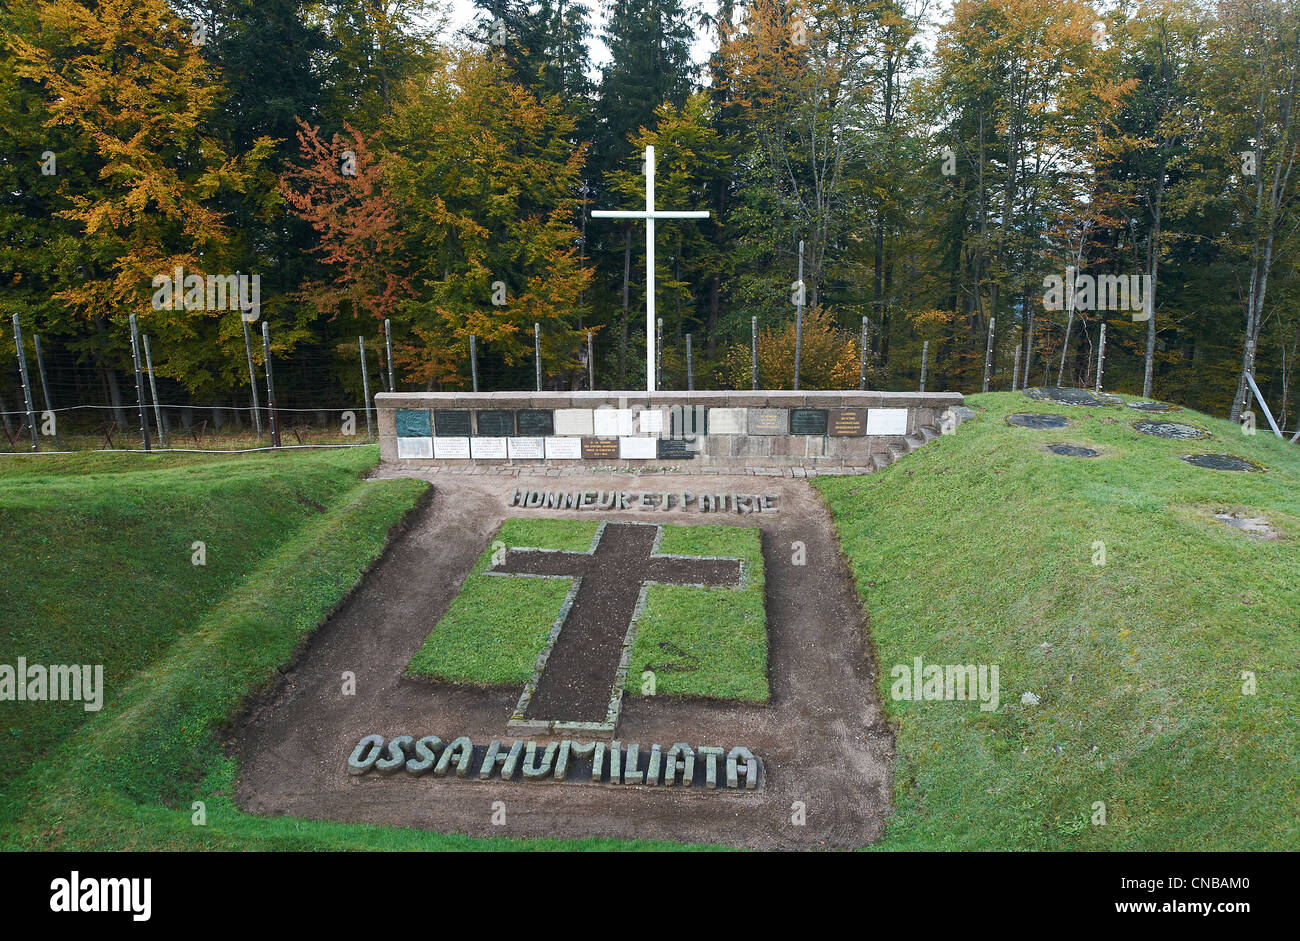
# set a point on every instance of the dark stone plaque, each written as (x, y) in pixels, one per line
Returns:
(1064, 395)
(535, 422)
(1169, 429)
(600, 449)
(451, 422)
(847, 422)
(1071, 450)
(412, 423)
(675, 449)
(1037, 420)
(1225, 462)
(1153, 406)
(495, 423)
(685, 421)
(807, 421)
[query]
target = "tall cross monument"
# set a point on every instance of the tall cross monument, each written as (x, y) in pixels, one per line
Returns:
(649, 215)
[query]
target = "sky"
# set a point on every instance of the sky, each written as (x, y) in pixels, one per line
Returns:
(462, 14)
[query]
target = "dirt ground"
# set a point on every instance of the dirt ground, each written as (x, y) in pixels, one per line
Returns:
(822, 738)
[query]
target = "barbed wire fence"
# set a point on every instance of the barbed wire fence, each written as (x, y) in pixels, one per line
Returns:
(132, 414)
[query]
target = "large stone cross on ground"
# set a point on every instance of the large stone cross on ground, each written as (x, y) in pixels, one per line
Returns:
(578, 680)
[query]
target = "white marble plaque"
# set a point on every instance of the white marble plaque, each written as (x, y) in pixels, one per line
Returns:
(573, 421)
(637, 449)
(650, 421)
(453, 448)
(727, 421)
(526, 449)
(487, 447)
(415, 447)
(612, 422)
(886, 421)
(563, 449)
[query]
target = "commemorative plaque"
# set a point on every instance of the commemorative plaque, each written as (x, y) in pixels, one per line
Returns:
(769, 421)
(600, 449)
(535, 422)
(412, 423)
(525, 449)
(807, 421)
(414, 447)
(847, 422)
(614, 421)
(675, 449)
(496, 423)
(640, 449)
(487, 448)
(563, 449)
(451, 423)
(451, 448)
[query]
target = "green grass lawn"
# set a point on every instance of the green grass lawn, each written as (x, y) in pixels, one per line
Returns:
(305, 527)
(495, 628)
(977, 549)
(708, 642)
(98, 552)
(980, 549)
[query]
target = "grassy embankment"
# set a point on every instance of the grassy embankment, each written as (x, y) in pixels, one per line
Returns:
(981, 549)
(99, 555)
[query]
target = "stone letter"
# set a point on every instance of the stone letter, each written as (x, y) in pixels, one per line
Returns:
(710, 754)
(750, 768)
(365, 755)
(427, 749)
(681, 760)
(531, 768)
(462, 749)
(396, 755)
(494, 757)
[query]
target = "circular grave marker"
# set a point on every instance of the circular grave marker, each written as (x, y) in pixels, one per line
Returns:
(1154, 406)
(1226, 462)
(1037, 420)
(1072, 450)
(1169, 429)
(1064, 395)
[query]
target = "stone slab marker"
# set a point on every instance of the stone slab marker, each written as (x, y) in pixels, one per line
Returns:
(727, 421)
(574, 421)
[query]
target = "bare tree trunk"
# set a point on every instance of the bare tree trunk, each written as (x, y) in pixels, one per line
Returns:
(1153, 265)
(4, 414)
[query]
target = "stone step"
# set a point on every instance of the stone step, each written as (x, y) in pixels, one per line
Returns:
(880, 460)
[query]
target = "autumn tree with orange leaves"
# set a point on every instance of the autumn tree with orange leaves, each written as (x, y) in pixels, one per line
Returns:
(340, 190)
(127, 88)
(489, 189)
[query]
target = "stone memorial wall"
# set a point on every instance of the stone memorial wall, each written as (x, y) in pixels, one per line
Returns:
(861, 430)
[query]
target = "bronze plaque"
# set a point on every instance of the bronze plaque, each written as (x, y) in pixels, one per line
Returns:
(847, 422)
(600, 449)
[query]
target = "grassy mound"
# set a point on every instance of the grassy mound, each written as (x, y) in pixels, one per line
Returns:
(1105, 587)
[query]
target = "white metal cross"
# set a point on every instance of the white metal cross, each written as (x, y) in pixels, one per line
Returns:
(649, 215)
